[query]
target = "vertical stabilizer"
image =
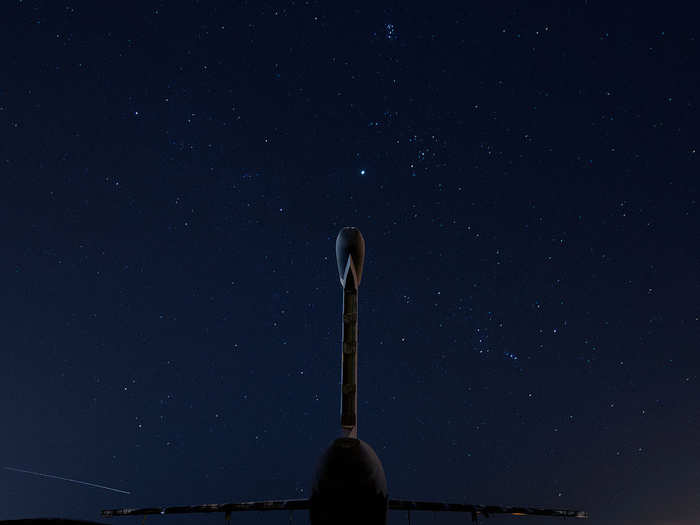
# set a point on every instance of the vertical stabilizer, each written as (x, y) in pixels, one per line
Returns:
(350, 254)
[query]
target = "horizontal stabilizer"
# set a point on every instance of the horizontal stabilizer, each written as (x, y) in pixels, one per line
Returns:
(485, 510)
(281, 504)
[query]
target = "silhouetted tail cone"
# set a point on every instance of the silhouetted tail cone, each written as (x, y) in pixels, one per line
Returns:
(350, 243)
(349, 486)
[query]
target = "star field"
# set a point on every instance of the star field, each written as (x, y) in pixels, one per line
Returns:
(172, 180)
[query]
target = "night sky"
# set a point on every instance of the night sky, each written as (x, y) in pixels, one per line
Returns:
(173, 176)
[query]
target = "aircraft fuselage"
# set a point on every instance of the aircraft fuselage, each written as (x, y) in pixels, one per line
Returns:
(349, 486)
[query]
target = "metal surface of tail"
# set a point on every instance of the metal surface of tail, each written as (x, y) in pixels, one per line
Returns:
(350, 254)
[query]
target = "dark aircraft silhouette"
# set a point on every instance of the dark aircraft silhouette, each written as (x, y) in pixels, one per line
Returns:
(349, 485)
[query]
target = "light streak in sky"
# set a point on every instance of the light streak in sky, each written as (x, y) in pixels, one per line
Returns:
(66, 479)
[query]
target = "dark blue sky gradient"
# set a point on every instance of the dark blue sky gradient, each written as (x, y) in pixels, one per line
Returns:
(172, 179)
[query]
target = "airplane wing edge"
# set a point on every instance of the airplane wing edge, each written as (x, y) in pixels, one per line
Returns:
(486, 510)
(282, 504)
